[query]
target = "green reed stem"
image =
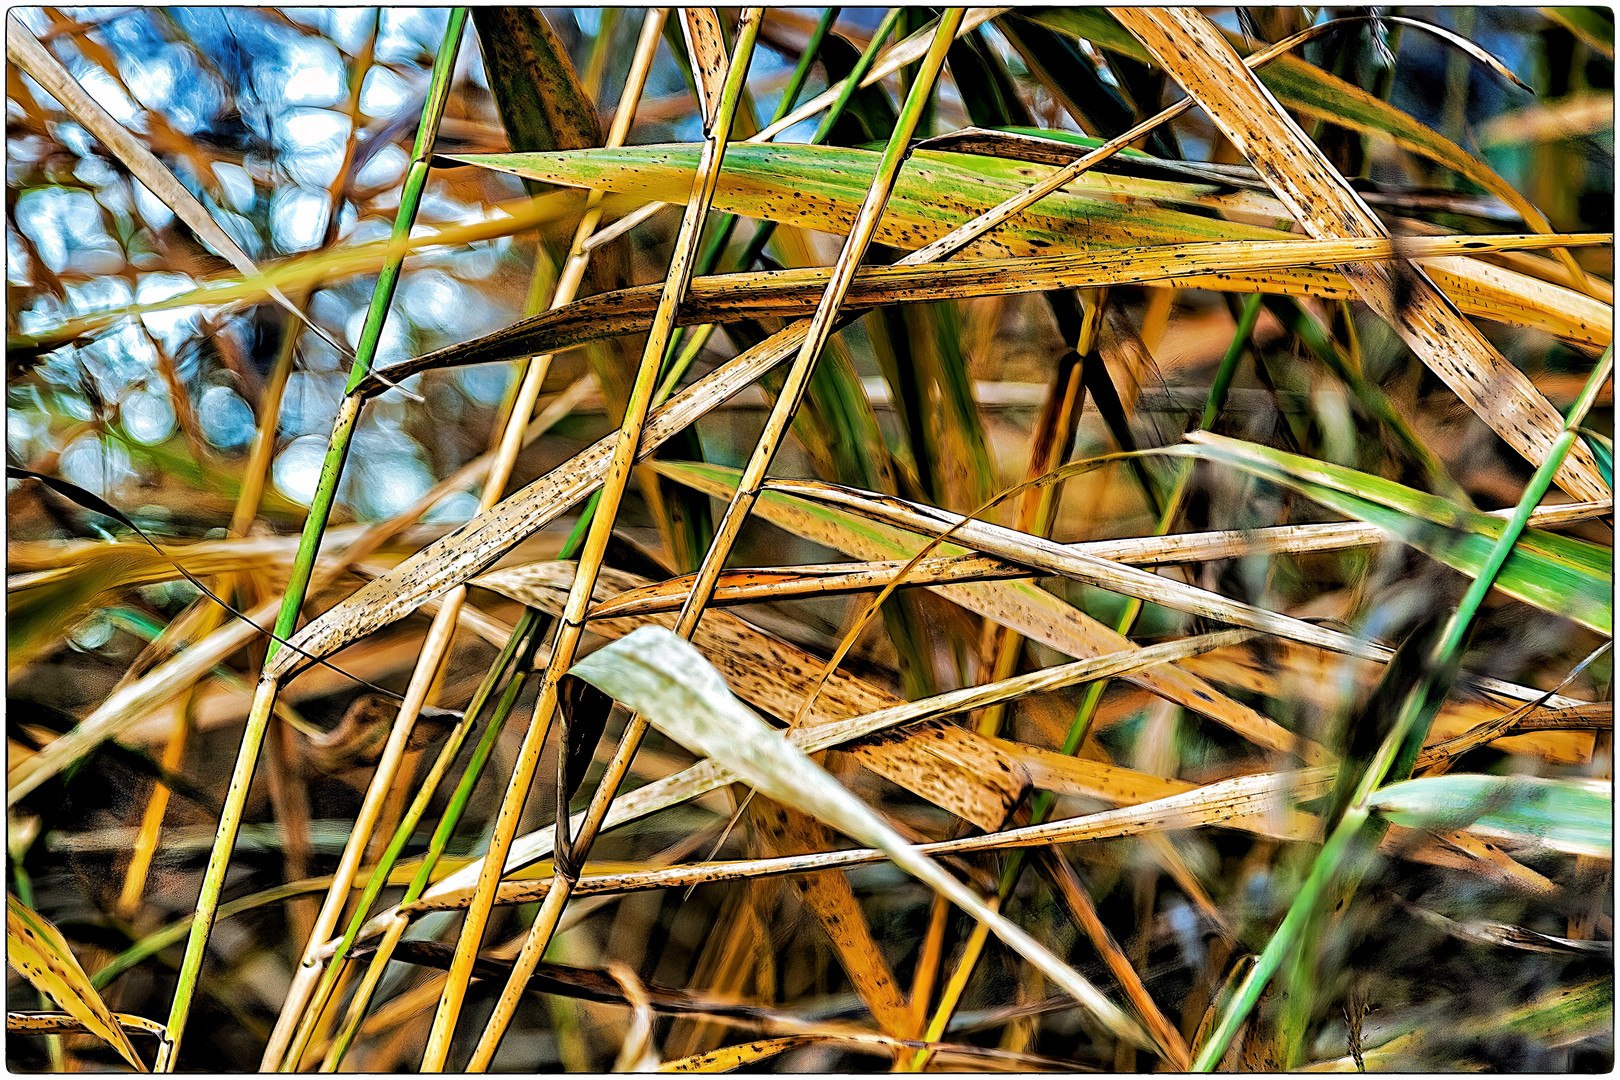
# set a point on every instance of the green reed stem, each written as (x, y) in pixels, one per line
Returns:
(407, 827)
(309, 546)
(790, 96)
(699, 336)
(1396, 755)
(382, 297)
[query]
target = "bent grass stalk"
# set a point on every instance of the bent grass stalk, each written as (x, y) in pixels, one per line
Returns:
(570, 626)
(436, 646)
(819, 328)
(1398, 750)
(309, 546)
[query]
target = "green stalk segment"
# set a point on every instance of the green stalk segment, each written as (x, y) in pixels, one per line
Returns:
(762, 232)
(790, 94)
(407, 824)
(308, 548)
(382, 297)
(1395, 756)
(454, 809)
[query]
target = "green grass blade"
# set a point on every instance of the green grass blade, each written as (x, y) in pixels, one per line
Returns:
(1400, 747)
(1556, 573)
(1573, 816)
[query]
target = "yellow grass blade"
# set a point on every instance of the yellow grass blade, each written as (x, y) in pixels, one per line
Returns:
(38, 951)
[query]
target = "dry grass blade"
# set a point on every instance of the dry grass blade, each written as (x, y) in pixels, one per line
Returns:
(781, 680)
(1192, 50)
(1225, 803)
(745, 586)
(706, 45)
(1248, 804)
(615, 481)
(736, 1056)
(664, 678)
(1241, 265)
(35, 1023)
(833, 902)
(48, 566)
(1039, 553)
(1019, 605)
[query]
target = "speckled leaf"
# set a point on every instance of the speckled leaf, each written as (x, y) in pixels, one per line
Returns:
(1191, 49)
(665, 679)
(37, 949)
(706, 49)
(1315, 93)
(819, 187)
(776, 678)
